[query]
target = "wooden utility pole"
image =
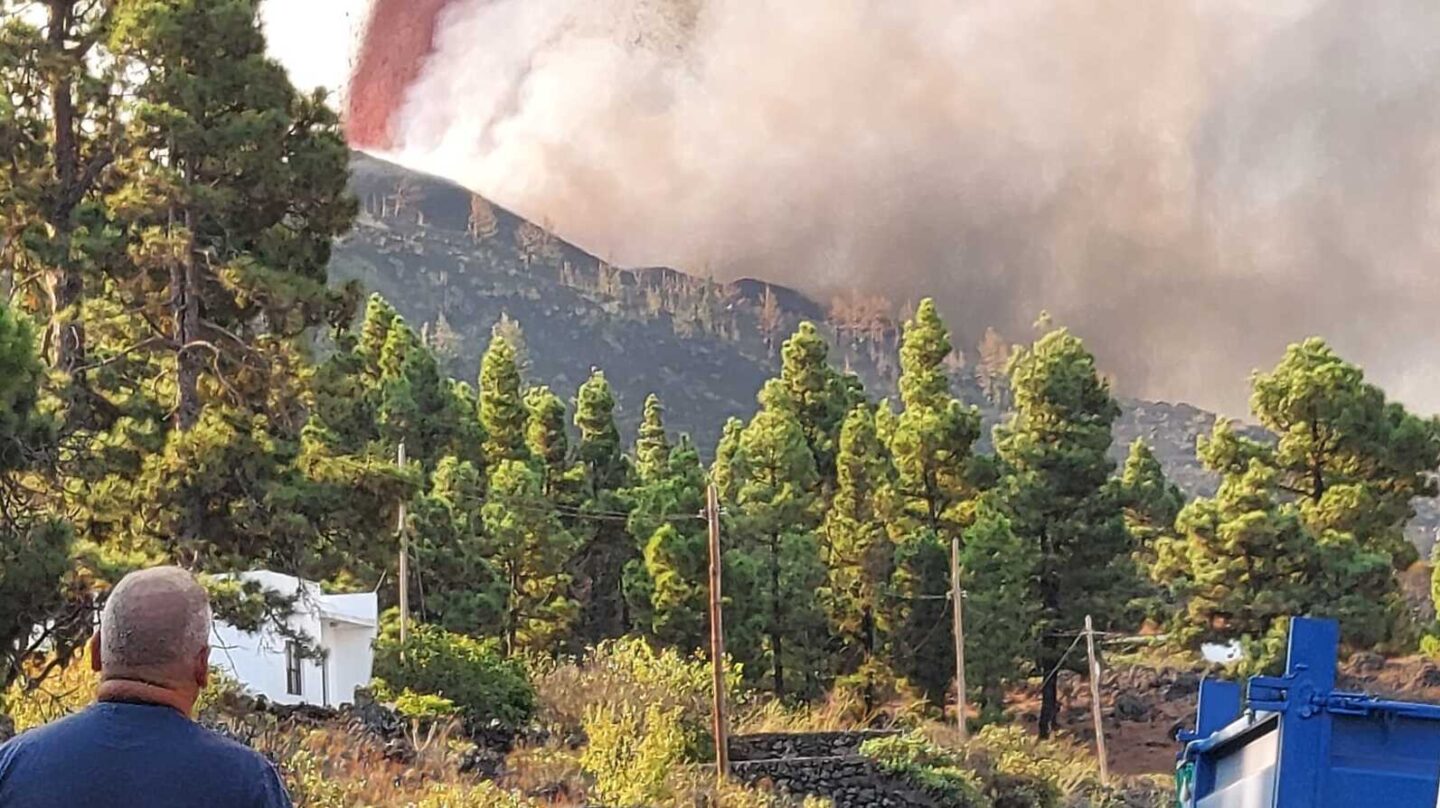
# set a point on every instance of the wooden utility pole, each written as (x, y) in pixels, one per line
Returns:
(959, 615)
(717, 638)
(404, 560)
(1095, 702)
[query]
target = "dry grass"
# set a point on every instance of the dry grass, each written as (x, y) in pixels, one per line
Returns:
(840, 710)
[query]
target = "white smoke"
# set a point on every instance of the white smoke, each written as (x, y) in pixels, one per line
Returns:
(316, 40)
(1189, 185)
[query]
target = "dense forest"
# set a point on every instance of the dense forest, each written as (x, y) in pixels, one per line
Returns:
(179, 383)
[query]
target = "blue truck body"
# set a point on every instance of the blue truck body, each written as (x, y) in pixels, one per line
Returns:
(1294, 741)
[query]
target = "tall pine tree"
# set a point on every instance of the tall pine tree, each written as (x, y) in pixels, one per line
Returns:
(531, 549)
(777, 512)
(607, 549)
(857, 549)
(1355, 460)
(652, 446)
(460, 589)
(549, 445)
(34, 547)
(668, 586)
(502, 404)
(1058, 495)
(818, 396)
(931, 442)
(1151, 504)
(234, 192)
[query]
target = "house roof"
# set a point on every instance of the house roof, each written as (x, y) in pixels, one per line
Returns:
(358, 609)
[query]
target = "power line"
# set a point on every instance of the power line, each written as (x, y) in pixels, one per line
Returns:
(1063, 657)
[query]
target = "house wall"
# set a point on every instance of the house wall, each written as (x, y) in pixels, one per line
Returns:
(257, 659)
(350, 661)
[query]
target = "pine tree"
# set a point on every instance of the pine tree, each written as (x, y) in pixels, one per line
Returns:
(997, 568)
(668, 587)
(60, 132)
(1356, 461)
(1058, 495)
(1333, 492)
(502, 408)
(508, 329)
(777, 512)
(417, 406)
(1246, 560)
(931, 442)
(722, 471)
(932, 438)
(375, 332)
(235, 190)
(1151, 505)
(856, 547)
(460, 589)
(926, 343)
(608, 549)
(599, 451)
(530, 548)
(652, 446)
(818, 396)
(35, 549)
(549, 445)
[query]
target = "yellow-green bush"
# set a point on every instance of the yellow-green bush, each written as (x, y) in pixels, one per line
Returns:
(625, 671)
(938, 770)
(424, 706)
(631, 752)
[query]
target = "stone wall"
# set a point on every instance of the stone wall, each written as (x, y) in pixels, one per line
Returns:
(825, 764)
(773, 745)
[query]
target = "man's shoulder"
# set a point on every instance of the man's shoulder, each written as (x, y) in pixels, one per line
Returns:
(189, 739)
(55, 731)
(218, 744)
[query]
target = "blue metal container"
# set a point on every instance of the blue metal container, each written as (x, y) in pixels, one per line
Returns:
(1292, 741)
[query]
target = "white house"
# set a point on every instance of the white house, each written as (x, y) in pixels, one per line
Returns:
(342, 627)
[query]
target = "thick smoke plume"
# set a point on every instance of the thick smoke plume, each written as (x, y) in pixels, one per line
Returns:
(1187, 185)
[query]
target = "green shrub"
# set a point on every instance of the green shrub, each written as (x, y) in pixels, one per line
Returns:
(424, 706)
(472, 674)
(632, 752)
(1430, 646)
(937, 770)
(645, 716)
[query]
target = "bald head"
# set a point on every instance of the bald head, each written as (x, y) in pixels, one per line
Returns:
(155, 625)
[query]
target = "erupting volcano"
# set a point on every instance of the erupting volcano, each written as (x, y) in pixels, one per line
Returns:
(1190, 188)
(399, 36)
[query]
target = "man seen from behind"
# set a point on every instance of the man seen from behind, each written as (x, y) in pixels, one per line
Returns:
(137, 745)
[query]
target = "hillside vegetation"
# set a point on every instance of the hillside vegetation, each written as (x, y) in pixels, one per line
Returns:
(457, 265)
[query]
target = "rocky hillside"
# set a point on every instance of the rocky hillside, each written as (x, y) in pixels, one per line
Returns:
(455, 264)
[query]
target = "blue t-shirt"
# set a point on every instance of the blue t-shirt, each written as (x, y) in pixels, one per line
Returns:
(121, 755)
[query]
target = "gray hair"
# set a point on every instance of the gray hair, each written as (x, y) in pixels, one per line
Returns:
(153, 619)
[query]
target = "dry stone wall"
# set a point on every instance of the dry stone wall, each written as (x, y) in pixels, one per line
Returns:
(825, 764)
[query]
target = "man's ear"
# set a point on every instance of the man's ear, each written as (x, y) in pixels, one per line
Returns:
(202, 667)
(95, 661)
